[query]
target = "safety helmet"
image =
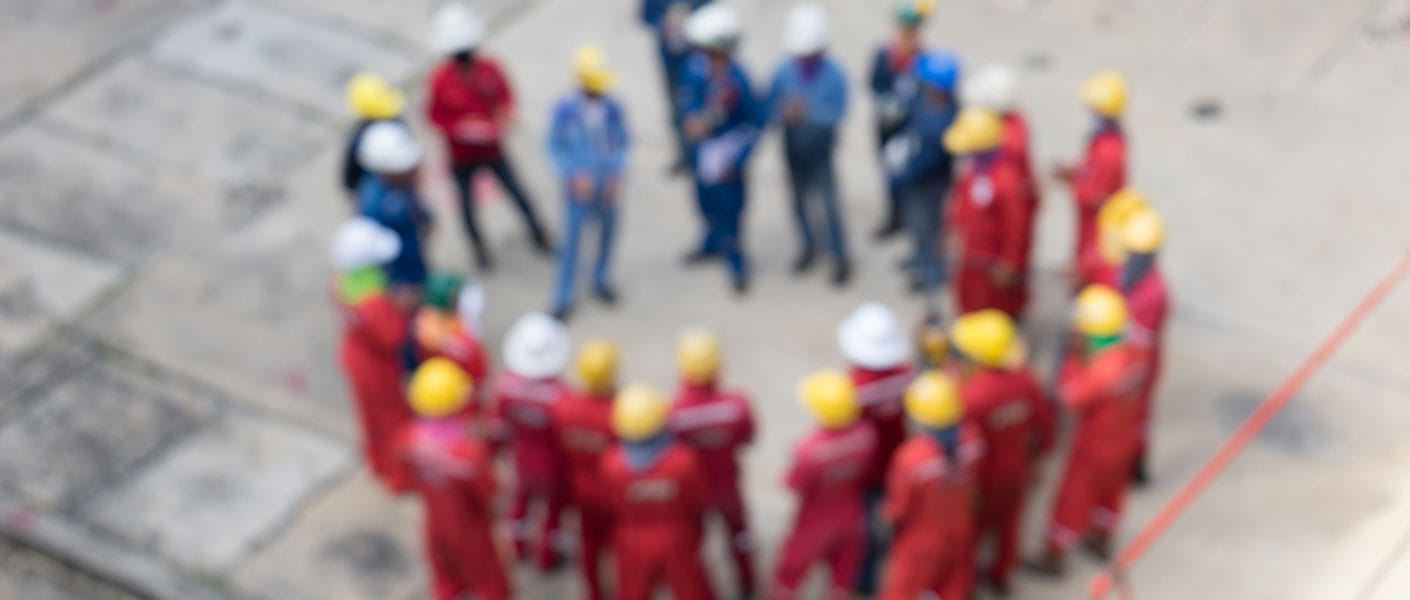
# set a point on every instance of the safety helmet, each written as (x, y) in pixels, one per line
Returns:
(597, 364)
(1105, 93)
(441, 288)
(439, 388)
(976, 129)
(455, 29)
(1099, 311)
(938, 68)
(713, 26)
(991, 87)
(590, 68)
(639, 412)
(536, 346)
(698, 355)
(870, 337)
(985, 336)
(1143, 232)
(371, 97)
(388, 147)
(913, 12)
(933, 400)
(831, 397)
(1111, 219)
(807, 30)
(362, 242)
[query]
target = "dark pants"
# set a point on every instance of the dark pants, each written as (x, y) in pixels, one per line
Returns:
(814, 183)
(924, 217)
(895, 193)
(722, 205)
(464, 176)
(672, 68)
(876, 542)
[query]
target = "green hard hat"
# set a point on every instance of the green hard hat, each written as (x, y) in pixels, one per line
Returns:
(441, 289)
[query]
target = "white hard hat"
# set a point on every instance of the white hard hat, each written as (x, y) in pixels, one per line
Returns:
(470, 304)
(871, 337)
(362, 242)
(388, 147)
(536, 346)
(991, 87)
(807, 30)
(455, 28)
(714, 26)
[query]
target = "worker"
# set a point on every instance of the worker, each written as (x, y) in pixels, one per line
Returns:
(894, 88)
(371, 99)
(829, 476)
(918, 162)
(536, 350)
(588, 141)
(1005, 404)
(989, 220)
(992, 87)
(930, 492)
(718, 424)
(1143, 286)
(658, 489)
(1102, 262)
(666, 19)
(446, 325)
(470, 101)
(809, 97)
(1103, 169)
(876, 348)
(391, 154)
(1101, 384)
(721, 119)
(583, 420)
(453, 473)
(375, 320)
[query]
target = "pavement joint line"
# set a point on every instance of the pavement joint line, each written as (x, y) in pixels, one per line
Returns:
(1384, 568)
(1324, 63)
(351, 464)
(248, 91)
(111, 146)
(329, 19)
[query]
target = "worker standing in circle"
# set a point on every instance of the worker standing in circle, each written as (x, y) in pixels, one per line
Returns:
(388, 195)
(583, 420)
(894, 88)
(371, 99)
(1103, 169)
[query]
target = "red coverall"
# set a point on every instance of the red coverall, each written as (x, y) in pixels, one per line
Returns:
(989, 210)
(829, 474)
(717, 424)
(657, 534)
(1015, 150)
(584, 424)
(523, 414)
(879, 393)
(1102, 173)
(464, 349)
(930, 501)
(1010, 411)
(1148, 302)
(454, 474)
(374, 330)
(479, 97)
(1105, 392)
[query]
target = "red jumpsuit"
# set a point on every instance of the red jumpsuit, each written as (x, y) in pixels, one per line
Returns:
(880, 393)
(657, 511)
(1149, 302)
(930, 501)
(523, 414)
(449, 339)
(829, 475)
(454, 475)
(1010, 411)
(476, 101)
(1101, 174)
(1104, 391)
(374, 330)
(990, 211)
(584, 425)
(717, 424)
(1015, 151)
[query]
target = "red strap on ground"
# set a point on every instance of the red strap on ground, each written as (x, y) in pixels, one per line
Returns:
(1101, 584)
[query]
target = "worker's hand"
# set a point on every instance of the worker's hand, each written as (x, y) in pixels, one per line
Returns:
(694, 128)
(583, 187)
(1064, 172)
(794, 110)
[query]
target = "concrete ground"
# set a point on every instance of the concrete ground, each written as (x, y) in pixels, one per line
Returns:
(168, 393)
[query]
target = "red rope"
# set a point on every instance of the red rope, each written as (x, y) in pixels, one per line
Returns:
(1115, 572)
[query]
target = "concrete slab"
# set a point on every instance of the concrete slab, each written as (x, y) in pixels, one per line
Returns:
(1373, 63)
(407, 20)
(1288, 38)
(25, 573)
(23, 375)
(48, 286)
(231, 485)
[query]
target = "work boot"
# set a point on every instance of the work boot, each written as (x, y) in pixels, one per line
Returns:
(541, 242)
(1052, 564)
(1098, 544)
(804, 262)
(999, 586)
(1139, 476)
(887, 230)
(562, 313)
(483, 260)
(740, 283)
(841, 274)
(697, 257)
(606, 294)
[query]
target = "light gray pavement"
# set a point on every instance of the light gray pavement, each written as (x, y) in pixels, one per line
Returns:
(167, 382)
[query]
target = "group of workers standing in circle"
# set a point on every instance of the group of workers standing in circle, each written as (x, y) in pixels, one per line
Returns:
(925, 443)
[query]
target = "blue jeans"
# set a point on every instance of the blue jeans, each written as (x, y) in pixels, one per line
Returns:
(925, 202)
(723, 206)
(576, 215)
(814, 183)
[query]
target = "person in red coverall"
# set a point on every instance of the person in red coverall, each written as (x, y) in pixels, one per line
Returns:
(1102, 385)
(1102, 263)
(583, 419)
(535, 352)
(375, 322)
(989, 217)
(1149, 302)
(930, 494)
(829, 475)
(1003, 401)
(453, 473)
(1103, 170)
(447, 325)
(717, 424)
(875, 346)
(658, 489)
(471, 102)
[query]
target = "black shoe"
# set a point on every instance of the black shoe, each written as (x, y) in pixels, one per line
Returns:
(841, 274)
(562, 313)
(1139, 476)
(1000, 588)
(698, 257)
(484, 261)
(678, 168)
(741, 284)
(804, 262)
(541, 243)
(917, 286)
(606, 294)
(1050, 564)
(887, 230)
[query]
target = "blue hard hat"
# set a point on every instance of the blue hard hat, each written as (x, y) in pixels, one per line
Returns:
(938, 68)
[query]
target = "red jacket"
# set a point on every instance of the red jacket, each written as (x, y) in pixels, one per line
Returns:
(523, 416)
(1104, 391)
(716, 424)
(468, 106)
(374, 330)
(991, 212)
(1149, 302)
(930, 499)
(1015, 150)
(452, 472)
(662, 503)
(1008, 409)
(829, 474)
(880, 394)
(584, 425)
(1101, 174)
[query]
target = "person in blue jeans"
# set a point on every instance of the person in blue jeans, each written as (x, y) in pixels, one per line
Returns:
(387, 194)
(666, 19)
(588, 141)
(809, 96)
(920, 166)
(893, 88)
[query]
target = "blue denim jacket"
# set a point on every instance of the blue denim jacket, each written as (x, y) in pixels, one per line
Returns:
(576, 146)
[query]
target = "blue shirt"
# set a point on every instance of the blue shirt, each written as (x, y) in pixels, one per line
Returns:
(726, 101)
(824, 94)
(397, 208)
(581, 141)
(924, 128)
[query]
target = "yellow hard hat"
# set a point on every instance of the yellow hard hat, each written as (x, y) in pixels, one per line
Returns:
(639, 412)
(1111, 220)
(1105, 92)
(1143, 232)
(590, 66)
(976, 129)
(698, 355)
(933, 400)
(986, 336)
(439, 388)
(597, 364)
(831, 397)
(1099, 311)
(371, 97)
